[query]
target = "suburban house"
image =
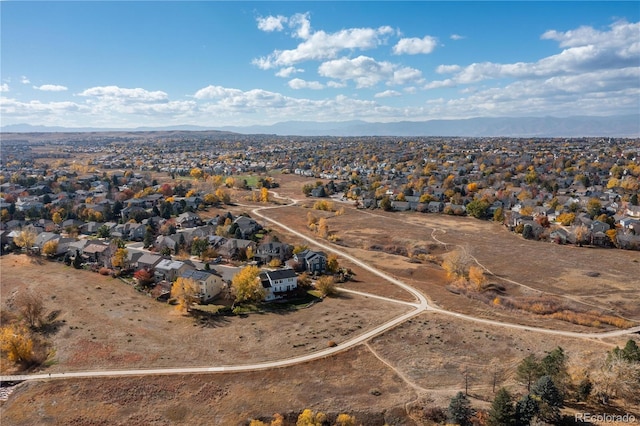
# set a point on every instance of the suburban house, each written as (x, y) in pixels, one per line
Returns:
(232, 247)
(277, 283)
(96, 252)
(148, 261)
(169, 270)
(247, 226)
(314, 262)
(210, 284)
(188, 220)
(266, 252)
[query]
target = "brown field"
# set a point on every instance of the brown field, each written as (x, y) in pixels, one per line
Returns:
(107, 324)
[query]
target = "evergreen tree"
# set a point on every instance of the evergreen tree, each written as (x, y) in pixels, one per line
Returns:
(502, 411)
(528, 371)
(77, 261)
(551, 400)
(526, 410)
(460, 411)
(148, 237)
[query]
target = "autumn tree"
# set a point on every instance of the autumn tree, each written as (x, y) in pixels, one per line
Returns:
(246, 285)
(185, 292)
(326, 285)
(50, 248)
(309, 418)
(119, 258)
(566, 219)
(264, 195)
(275, 263)
(304, 281)
(25, 239)
(144, 277)
(582, 232)
(223, 195)
(345, 420)
(385, 203)
(477, 277)
(332, 263)
(56, 218)
(17, 344)
(196, 173)
(323, 228)
(31, 305)
(456, 263)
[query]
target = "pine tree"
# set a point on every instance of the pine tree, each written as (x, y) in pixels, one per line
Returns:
(77, 261)
(460, 411)
(551, 400)
(528, 371)
(526, 409)
(502, 411)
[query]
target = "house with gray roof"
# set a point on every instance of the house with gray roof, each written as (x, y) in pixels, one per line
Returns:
(210, 284)
(278, 283)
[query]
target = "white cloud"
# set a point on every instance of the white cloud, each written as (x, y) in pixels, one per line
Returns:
(24, 80)
(51, 88)
(4, 87)
(440, 84)
(272, 23)
(387, 94)
(298, 83)
(447, 69)
(336, 84)
(213, 92)
(288, 72)
(415, 46)
(367, 72)
(124, 94)
(456, 37)
(586, 50)
(302, 24)
(320, 45)
(620, 33)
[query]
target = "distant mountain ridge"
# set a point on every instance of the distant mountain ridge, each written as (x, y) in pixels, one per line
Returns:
(577, 126)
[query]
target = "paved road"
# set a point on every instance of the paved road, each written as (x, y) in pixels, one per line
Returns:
(421, 305)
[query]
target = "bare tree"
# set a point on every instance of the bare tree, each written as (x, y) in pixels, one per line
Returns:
(31, 306)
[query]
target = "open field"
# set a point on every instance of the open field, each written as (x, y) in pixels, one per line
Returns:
(534, 272)
(106, 324)
(418, 364)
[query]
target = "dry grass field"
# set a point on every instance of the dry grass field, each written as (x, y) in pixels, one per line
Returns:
(106, 324)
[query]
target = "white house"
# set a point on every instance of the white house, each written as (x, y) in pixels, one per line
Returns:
(277, 283)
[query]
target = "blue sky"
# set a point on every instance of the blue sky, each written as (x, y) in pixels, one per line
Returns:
(129, 64)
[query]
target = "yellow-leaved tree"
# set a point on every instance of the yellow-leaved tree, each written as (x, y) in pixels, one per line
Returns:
(309, 418)
(246, 285)
(17, 344)
(50, 248)
(185, 291)
(264, 195)
(25, 239)
(119, 258)
(345, 420)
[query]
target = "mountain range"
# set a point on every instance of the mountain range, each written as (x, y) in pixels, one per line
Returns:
(577, 126)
